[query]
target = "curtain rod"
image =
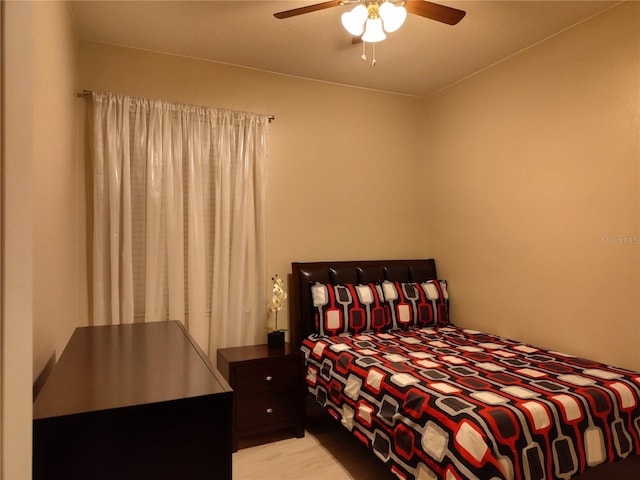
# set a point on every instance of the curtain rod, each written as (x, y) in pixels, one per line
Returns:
(86, 93)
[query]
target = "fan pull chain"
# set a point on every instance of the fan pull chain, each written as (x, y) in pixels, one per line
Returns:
(364, 53)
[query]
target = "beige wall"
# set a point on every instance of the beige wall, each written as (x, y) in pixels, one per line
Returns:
(44, 280)
(534, 174)
(17, 231)
(344, 163)
(59, 240)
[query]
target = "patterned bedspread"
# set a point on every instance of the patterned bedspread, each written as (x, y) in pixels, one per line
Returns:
(449, 403)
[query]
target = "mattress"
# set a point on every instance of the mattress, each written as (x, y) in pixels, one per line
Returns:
(451, 403)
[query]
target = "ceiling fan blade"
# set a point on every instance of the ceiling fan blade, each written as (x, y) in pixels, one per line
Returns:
(307, 9)
(435, 11)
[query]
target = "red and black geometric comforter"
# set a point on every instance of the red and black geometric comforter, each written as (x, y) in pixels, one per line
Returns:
(449, 403)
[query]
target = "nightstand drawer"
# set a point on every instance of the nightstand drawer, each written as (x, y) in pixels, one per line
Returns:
(267, 410)
(267, 377)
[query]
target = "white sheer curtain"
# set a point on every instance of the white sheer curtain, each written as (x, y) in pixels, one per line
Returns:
(178, 218)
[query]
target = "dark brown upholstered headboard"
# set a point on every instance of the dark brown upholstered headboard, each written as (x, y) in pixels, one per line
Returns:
(304, 274)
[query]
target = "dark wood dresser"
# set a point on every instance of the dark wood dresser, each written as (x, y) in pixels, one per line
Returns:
(268, 387)
(133, 402)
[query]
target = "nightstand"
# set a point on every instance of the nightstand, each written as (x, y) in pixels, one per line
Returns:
(268, 386)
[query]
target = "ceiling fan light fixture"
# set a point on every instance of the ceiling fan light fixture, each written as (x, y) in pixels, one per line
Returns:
(375, 17)
(353, 21)
(373, 31)
(393, 16)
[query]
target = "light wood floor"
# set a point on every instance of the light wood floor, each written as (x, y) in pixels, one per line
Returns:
(327, 451)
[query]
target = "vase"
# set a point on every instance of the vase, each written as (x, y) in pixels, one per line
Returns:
(275, 339)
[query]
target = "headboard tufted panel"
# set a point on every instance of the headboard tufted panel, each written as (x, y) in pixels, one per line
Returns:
(305, 274)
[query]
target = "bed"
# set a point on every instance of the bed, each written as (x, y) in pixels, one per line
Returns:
(435, 401)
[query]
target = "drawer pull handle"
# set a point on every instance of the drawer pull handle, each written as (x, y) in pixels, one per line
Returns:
(269, 410)
(269, 378)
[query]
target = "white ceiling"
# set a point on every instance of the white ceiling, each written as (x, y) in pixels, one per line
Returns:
(421, 58)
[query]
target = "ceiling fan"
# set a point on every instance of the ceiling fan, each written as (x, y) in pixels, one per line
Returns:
(370, 19)
(423, 8)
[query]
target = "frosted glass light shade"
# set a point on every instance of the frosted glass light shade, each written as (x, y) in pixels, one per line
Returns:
(360, 13)
(373, 31)
(353, 21)
(392, 16)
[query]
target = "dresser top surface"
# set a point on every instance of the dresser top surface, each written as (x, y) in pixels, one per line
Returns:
(119, 366)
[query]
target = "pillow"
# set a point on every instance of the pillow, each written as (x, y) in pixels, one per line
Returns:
(438, 294)
(416, 304)
(348, 308)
